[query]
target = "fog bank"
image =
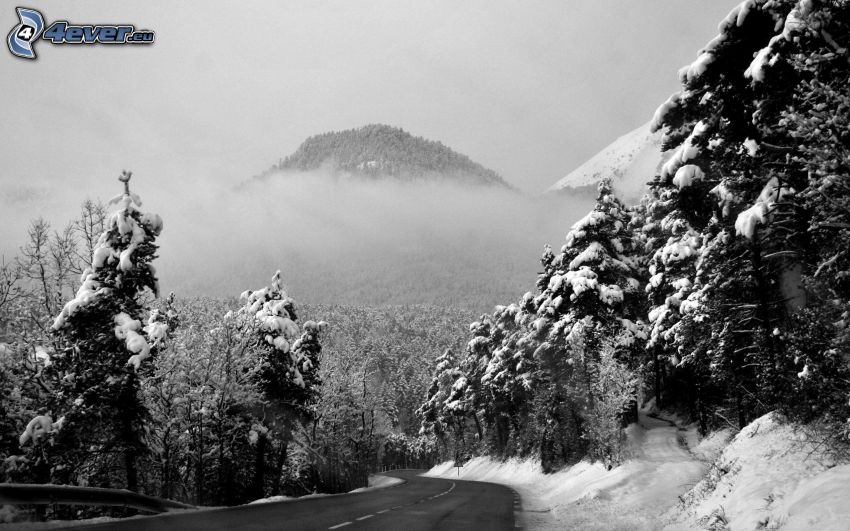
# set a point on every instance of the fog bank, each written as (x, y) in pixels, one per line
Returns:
(337, 241)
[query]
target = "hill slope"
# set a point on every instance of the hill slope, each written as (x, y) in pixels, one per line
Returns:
(381, 151)
(631, 160)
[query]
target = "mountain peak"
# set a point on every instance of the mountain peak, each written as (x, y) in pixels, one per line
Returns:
(384, 151)
(630, 161)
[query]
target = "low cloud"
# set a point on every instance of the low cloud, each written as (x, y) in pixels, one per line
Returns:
(337, 240)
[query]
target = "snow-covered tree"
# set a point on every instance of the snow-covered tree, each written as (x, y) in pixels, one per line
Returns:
(510, 376)
(751, 147)
(110, 334)
(527, 372)
(432, 413)
(613, 387)
(744, 234)
(596, 284)
(289, 367)
(200, 395)
(803, 213)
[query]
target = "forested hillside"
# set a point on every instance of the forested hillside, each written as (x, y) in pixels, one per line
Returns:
(724, 294)
(378, 150)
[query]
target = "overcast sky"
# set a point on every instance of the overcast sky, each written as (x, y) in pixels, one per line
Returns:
(529, 89)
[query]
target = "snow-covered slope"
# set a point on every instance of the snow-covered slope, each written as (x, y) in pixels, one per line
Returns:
(631, 161)
(773, 475)
(587, 496)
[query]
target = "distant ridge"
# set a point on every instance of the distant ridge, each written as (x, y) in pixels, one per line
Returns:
(631, 161)
(383, 151)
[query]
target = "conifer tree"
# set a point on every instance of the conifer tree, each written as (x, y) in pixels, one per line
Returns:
(596, 281)
(511, 378)
(594, 295)
(741, 175)
(432, 413)
(289, 368)
(801, 218)
(110, 334)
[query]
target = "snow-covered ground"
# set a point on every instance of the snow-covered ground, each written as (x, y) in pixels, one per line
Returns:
(770, 476)
(587, 496)
(376, 481)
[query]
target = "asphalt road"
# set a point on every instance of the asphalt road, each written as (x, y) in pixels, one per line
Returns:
(418, 504)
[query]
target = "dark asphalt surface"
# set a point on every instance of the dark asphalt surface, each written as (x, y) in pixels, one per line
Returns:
(419, 504)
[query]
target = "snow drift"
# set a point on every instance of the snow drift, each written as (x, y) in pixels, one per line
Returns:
(588, 496)
(773, 475)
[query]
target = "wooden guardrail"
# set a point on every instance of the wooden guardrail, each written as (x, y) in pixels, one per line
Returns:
(28, 494)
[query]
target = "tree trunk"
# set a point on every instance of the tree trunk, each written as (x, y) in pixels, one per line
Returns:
(656, 364)
(132, 471)
(281, 461)
(478, 426)
(259, 468)
(130, 409)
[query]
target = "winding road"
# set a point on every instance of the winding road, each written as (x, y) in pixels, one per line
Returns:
(419, 503)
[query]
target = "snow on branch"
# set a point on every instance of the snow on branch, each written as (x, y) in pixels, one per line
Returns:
(118, 243)
(749, 219)
(689, 150)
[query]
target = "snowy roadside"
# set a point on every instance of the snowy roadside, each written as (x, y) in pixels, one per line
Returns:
(773, 475)
(376, 481)
(632, 496)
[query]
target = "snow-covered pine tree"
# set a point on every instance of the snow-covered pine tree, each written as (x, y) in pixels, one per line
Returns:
(709, 132)
(671, 242)
(748, 87)
(597, 277)
(433, 415)
(802, 215)
(467, 398)
(510, 378)
(289, 372)
(111, 335)
(593, 293)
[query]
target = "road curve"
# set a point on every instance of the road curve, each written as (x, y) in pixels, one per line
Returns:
(418, 504)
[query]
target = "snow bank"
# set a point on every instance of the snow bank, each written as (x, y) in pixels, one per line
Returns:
(710, 448)
(376, 481)
(632, 496)
(771, 476)
(273, 499)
